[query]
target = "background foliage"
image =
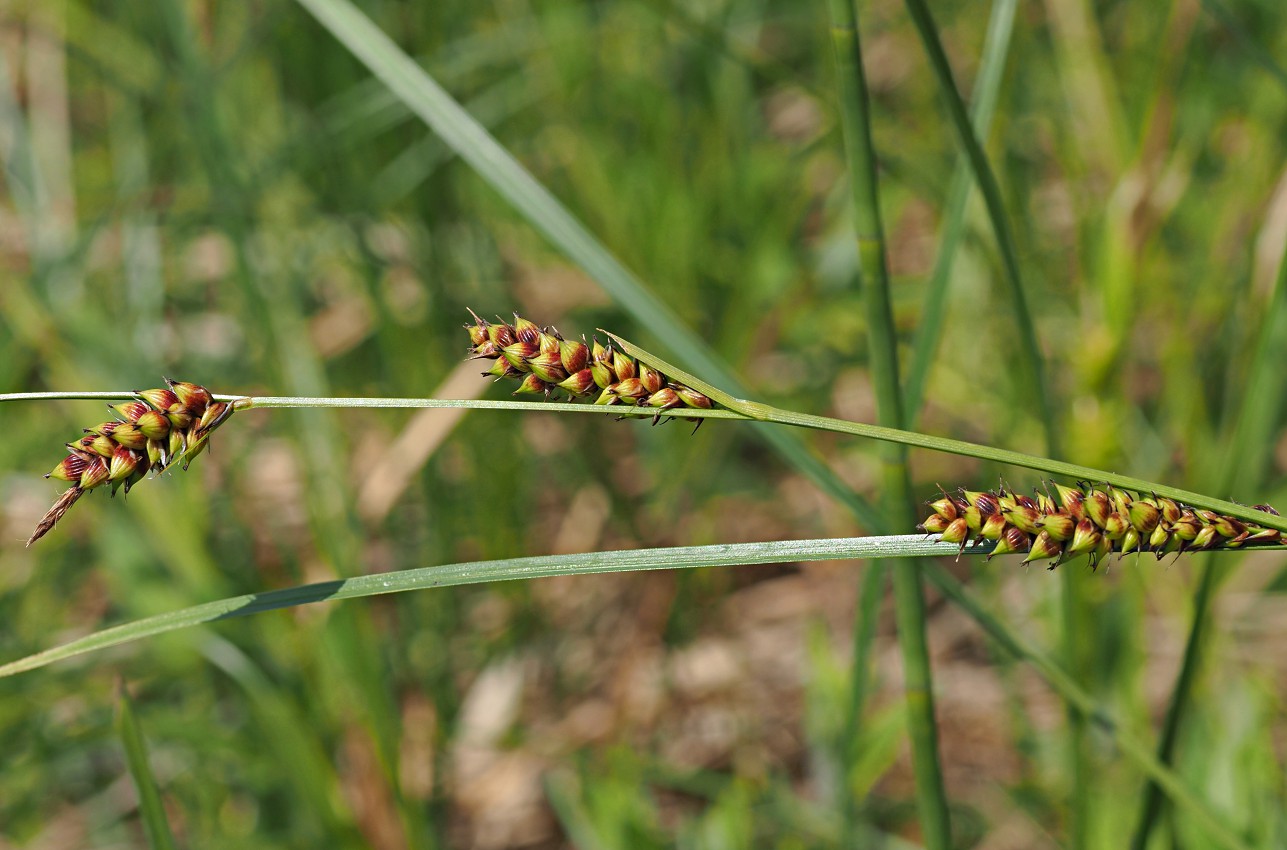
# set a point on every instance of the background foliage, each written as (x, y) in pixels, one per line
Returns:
(221, 193)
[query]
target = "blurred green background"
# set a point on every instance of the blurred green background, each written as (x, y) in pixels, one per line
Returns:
(221, 193)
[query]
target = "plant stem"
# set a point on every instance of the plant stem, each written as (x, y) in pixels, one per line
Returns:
(1244, 460)
(478, 572)
(548, 216)
(866, 615)
(1073, 694)
(742, 410)
(788, 551)
(909, 600)
(1030, 360)
(996, 47)
(151, 808)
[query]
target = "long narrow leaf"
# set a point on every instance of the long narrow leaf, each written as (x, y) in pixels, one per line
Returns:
(987, 87)
(899, 546)
(472, 143)
(1030, 361)
(681, 557)
(763, 413)
(882, 354)
(151, 809)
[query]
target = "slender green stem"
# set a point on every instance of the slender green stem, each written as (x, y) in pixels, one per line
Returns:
(1054, 467)
(477, 572)
(1152, 799)
(515, 184)
(1030, 363)
(1132, 748)
(790, 551)
(909, 599)
(1244, 460)
(869, 598)
(151, 808)
(929, 328)
(742, 410)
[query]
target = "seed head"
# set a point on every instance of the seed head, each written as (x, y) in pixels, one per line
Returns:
(534, 385)
(944, 507)
(525, 330)
(934, 524)
(162, 426)
(578, 383)
(1089, 521)
(1012, 540)
(575, 356)
(548, 366)
(1044, 548)
(128, 435)
(547, 363)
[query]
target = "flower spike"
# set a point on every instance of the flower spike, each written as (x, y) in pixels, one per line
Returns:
(160, 427)
(1087, 520)
(545, 362)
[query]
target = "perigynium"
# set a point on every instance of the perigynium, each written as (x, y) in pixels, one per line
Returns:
(159, 428)
(544, 362)
(1087, 521)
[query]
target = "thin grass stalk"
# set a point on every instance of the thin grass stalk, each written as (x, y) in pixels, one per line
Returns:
(1072, 693)
(1073, 618)
(335, 527)
(909, 600)
(1246, 448)
(151, 808)
(987, 87)
(745, 411)
(996, 48)
(1030, 368)
(869, 599)
(687, 557)
(478, 572)
(499, 169)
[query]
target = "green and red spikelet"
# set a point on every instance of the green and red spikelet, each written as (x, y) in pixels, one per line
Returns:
(544, 363)
(156, 430)
(1087, 521)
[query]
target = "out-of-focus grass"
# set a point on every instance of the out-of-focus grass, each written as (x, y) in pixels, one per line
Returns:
(236, 202)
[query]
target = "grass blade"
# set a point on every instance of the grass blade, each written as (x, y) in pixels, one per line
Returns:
(1244, 460)
(996, 49)
(151, 809)
(1133, 749)
(909, 599)
(476, 572)
(763, 413)
(899, 546)
(869, 599)
(1031, 362)
(472, 143)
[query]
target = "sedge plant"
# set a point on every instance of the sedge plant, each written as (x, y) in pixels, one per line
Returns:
(628, 382)
(1094, 517)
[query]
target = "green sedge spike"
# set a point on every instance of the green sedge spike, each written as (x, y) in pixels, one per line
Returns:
(1087, 521)
(160, 427)
(546, 363)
